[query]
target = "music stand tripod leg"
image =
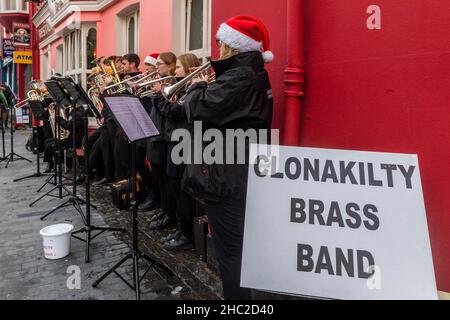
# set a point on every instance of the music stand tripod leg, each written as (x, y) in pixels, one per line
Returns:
(88, 228)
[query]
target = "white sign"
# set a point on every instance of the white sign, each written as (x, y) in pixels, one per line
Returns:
(337, 224)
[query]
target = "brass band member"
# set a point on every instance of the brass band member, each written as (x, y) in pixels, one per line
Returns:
(4, 106)
(157, 151)
(67, 143)
(122, 152)
(239, 99)
(176, 119)
(151, 63)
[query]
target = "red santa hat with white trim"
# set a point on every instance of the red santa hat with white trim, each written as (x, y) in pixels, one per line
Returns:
(152, 59)
(245, 34)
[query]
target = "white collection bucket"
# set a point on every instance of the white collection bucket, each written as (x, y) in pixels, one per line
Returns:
(56, 241)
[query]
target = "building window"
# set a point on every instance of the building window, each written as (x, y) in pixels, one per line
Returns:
(91, 43)
(14, 6)
(127, 30)
(78, 51)
(132, 33)
(192, 27)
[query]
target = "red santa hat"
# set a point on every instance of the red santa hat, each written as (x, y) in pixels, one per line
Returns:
(152, 59)
(246, 33)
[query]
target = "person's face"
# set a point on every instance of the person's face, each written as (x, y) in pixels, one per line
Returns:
(163, 68)
(179, 71)
(119, 65)
(126, 66)
(150, 68)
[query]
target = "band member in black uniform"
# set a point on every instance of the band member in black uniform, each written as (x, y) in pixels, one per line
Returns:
(152, 202)
(122, 154)
(6, 102)
(175, 118)
(157, 149)
(67, 143)
(240, 98)
(151, 63)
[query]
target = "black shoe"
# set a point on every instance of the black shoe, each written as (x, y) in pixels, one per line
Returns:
(149, 205)
(159, 214)
(173, 236)
(164, 223)
(102, 182)
(182, 243)
(49, 168)
(81, 179)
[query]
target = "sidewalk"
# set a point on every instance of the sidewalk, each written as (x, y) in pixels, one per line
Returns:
(26, 274)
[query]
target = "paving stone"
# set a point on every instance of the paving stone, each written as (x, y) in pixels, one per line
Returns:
(26, 274)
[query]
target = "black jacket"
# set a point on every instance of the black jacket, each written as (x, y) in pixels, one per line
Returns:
(241, 98)
(174, 115)
(79, 125)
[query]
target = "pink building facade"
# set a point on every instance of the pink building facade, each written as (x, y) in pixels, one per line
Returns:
(73, 33)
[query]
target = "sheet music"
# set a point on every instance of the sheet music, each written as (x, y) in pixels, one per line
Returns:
(132, 117)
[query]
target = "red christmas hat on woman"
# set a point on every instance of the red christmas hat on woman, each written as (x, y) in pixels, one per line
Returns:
(152, 59)
(246, 33)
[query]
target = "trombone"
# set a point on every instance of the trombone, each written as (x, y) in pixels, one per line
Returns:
(132, 80)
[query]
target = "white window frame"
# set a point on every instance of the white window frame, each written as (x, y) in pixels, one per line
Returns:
(73, 51)
(18, 7)
(135, 16)
(181, 23)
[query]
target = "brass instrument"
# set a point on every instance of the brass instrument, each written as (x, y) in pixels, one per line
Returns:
(133, 81)
(37, 92)
(169, 92)
(144, 89)
(94, 95)
(120, 88)
(63, 133)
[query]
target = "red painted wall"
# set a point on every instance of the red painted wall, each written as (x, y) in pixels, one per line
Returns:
(385, 90)
(273, 15)
(375, 90)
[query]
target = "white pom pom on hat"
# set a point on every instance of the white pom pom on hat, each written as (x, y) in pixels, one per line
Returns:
(246, 33)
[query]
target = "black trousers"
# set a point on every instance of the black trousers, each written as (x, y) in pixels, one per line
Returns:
(122, 156)
(142, 169)
(184, 207)
(51, 148)
(227, 223)
(159, 179)
(101, 155)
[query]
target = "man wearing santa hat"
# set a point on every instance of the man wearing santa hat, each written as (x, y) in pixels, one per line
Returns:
(151, 63)
(240, 98)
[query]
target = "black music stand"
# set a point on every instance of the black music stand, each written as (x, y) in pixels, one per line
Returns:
(12, 156)
(61, 99)
(37, 110)
(136, 125)
(75, 99)
(80, 97)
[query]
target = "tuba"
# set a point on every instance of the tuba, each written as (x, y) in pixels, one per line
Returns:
(94, 95)
(63, 133)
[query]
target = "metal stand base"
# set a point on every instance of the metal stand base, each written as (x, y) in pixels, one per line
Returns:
(135, 256)
(12, 157)
(76, 202)
(88, 230)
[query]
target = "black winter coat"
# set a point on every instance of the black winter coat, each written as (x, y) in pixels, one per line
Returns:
(79, 125)
(241, 98)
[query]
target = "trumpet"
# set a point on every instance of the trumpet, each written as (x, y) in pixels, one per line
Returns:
(142, 89)
(169, 92)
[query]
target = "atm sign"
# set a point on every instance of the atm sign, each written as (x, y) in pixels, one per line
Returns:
(23, 57)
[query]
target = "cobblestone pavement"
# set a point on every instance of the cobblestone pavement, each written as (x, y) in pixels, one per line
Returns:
(26, 274)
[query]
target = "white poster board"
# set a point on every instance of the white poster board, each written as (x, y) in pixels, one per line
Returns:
(337, 224)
